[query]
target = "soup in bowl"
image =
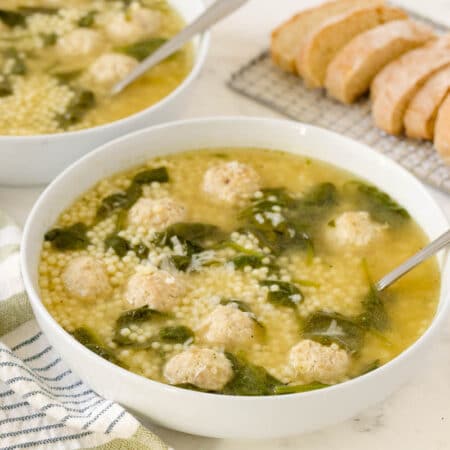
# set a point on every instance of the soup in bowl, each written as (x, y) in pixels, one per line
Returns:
(235, 274)
(58, 64)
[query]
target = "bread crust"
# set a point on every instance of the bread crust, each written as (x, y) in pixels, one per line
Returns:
(442, 132)
(422, 111)
(350, 73)
(396, 85)
(324, 43)
(289, 37)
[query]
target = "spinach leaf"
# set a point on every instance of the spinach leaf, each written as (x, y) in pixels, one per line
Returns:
(12, 18)
(297, 388)
(324, 194)
(70, 238)
(141, 251)
(119, 200)
(371, 367)
(92, 343)
(242, 261)
(281, 239)
(314, 206)
(29, 10)
(67, 77)
(181, 262)
(249, 379)
(327, 328)
(242, 306)
(176, 334)
(120, 245)
(287, 294)
(80, 104)
(239, 248)
(88, 20)
(136, 316)
(197, 234)
(193, 238)
(125, 200)
(143, 49)
(268, 219)
(380, 205)
(193, 387)
(374, 315)
(19, 18)
(159, 174)
(5, 88)
(18, 67)
(49, 39)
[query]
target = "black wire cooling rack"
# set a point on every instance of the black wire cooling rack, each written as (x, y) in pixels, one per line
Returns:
(265, 83)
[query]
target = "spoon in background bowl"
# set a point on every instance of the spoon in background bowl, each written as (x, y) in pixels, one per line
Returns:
(216, 12)
(428, 251)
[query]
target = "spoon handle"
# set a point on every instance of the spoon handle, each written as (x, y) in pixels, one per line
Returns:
(412, 262)
(217, 11)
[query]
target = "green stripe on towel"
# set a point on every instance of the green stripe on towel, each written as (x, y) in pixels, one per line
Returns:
(14, 312)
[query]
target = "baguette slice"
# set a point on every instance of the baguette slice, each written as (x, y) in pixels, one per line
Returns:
(289, 37)
(323, 44)
(349, 74)
(442, 131)
(421, 114)
(395, 86)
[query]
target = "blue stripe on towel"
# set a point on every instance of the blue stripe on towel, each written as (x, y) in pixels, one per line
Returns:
(43, 442)
(27, 342)
(13, 406)
(37, 355)
(63, 402)
(30, 371)
(111, 404)
(115, 422)
(22, 418)
(48, 366)
(32, 430)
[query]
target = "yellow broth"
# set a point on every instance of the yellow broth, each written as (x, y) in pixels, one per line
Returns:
(45, 64)
(332, 278)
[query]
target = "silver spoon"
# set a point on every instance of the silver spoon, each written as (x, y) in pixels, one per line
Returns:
(415, 260)
(216, 12)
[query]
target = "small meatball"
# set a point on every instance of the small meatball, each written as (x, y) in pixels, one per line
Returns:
(231, 182)
(313, 361)
(356, 229)
(110, 68)
(85, 278)
(156, 214)
(133, 25)
(80, 42)
(202, 367)
(229, 327)
(159, 290)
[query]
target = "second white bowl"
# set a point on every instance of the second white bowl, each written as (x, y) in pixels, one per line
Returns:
(33, 160)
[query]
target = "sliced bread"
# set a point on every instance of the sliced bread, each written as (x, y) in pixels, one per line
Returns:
(442, 131)
(289, 37)
(420, 117)
(395, 86)
(322, 45)
(349, 74)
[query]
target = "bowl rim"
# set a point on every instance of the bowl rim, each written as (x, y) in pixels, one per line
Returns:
(201, 52)
(442, 311)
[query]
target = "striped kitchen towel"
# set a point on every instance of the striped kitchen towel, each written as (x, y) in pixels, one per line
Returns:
(43, 404)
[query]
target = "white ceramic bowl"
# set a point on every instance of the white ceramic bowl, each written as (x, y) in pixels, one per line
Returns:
(217, 415)
(32, 160)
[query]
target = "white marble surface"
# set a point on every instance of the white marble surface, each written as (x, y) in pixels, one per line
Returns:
(415, 418)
